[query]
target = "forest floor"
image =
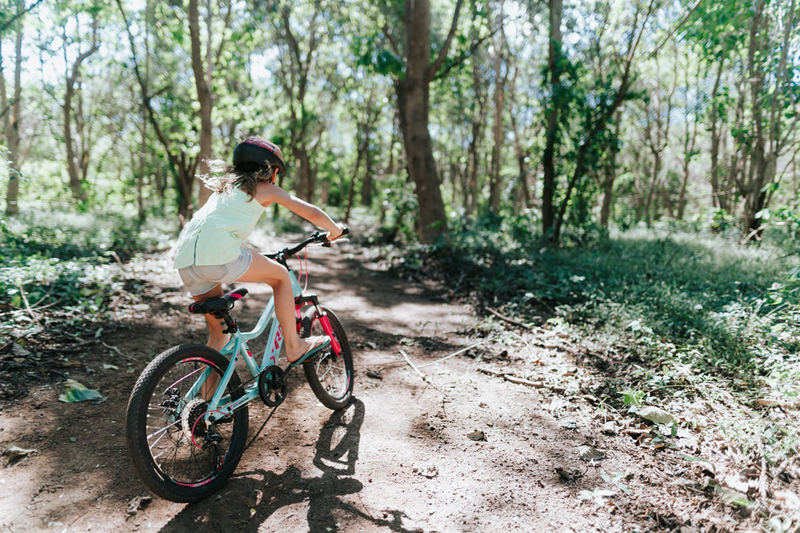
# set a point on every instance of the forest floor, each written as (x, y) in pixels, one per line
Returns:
(507, 435)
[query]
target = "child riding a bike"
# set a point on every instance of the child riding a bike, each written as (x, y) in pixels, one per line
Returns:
(210, 252)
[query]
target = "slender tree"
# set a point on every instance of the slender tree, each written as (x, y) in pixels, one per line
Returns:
(77, 152)
(11, 114)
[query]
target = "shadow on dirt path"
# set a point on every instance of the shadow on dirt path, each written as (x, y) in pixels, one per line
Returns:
(264, 492)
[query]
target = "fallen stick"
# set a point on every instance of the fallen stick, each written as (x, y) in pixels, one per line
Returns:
(504, 318)
(126, 356)
(414, 367)
(462, 350)
(27, 305)
(514, 379)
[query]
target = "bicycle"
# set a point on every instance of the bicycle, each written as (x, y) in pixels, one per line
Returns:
(184, 445)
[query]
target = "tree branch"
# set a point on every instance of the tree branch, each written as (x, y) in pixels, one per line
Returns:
(463, 56)
(676, 28)
(19, 14)
(391, 40)
(446, 46)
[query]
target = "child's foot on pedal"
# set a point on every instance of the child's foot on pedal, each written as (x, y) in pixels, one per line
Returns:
(310, 346)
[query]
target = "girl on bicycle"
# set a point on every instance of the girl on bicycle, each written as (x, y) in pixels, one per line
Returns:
(210, 251)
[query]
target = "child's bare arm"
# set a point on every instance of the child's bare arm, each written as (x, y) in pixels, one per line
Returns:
(268, 193)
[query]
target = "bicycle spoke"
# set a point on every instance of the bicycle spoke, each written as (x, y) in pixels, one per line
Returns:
(162, 429)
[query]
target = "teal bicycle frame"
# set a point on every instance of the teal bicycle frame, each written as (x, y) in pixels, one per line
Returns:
(220, 405)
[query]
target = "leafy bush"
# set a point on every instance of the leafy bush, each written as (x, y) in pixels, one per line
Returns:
(66, 262)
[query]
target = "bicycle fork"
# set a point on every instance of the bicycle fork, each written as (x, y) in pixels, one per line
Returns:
(321, 316)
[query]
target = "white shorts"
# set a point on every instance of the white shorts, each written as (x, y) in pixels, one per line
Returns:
(199, 279)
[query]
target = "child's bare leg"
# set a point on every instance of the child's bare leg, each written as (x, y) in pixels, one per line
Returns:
(216, 340)
(276, 276)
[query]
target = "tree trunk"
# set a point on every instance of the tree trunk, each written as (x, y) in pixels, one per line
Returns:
(352, 189)
(73, 165)
(751, 185)
(413, 103)
(143, 152)
(367, 186)
(412, 97)
(12, 114)
(610, 175)
(202, 81)
(716, 197)
(304, 185)
(495, 184)
(768, 142)
(519, 152)
(656, 170)
(551, 133)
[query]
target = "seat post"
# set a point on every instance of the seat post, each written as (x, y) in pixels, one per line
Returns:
(232, 325)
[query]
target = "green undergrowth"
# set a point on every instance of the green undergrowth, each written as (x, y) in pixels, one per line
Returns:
(698, 314)
(66, 263)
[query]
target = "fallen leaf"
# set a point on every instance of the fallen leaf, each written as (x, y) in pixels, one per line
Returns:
(569, 424)
(77, 392)
(477, 435)
(590, 453)
(597, 495)
(568, 474)
(14, 453)
(732, 497)
(704, 463)
(609, 428)
(429, 471)
(138, 503)
(655, 414)
(19, 351)
(374, 374)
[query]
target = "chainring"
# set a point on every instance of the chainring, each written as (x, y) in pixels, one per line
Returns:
(272, 386)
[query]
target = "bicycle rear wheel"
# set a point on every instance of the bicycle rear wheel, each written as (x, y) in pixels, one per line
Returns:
(178, 455)
(329, 375)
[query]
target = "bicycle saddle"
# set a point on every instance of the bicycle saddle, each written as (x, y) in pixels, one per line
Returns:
(216, 305)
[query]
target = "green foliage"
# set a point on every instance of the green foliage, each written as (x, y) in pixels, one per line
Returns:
(66, 262)
(685, 293)
(370, 53)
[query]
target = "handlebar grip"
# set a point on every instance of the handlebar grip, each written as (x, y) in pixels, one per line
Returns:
(327, 244)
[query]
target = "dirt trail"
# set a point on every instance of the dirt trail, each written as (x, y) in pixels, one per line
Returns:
(400, 458)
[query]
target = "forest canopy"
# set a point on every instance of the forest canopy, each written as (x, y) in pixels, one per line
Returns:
(583, 115)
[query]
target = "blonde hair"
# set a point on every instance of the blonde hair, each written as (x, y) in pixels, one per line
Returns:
(223, 178)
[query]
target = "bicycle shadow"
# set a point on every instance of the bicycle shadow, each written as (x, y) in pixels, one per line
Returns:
(252, 497)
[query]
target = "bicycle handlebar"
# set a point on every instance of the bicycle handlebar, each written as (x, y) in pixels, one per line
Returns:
(317, 236)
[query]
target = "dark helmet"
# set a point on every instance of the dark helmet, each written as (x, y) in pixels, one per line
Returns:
(255, 153)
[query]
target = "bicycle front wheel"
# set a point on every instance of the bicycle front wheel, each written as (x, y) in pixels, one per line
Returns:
(178, 454)
(329, 375)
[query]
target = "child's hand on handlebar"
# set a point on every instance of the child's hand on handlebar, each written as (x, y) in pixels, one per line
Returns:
(340, 232)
